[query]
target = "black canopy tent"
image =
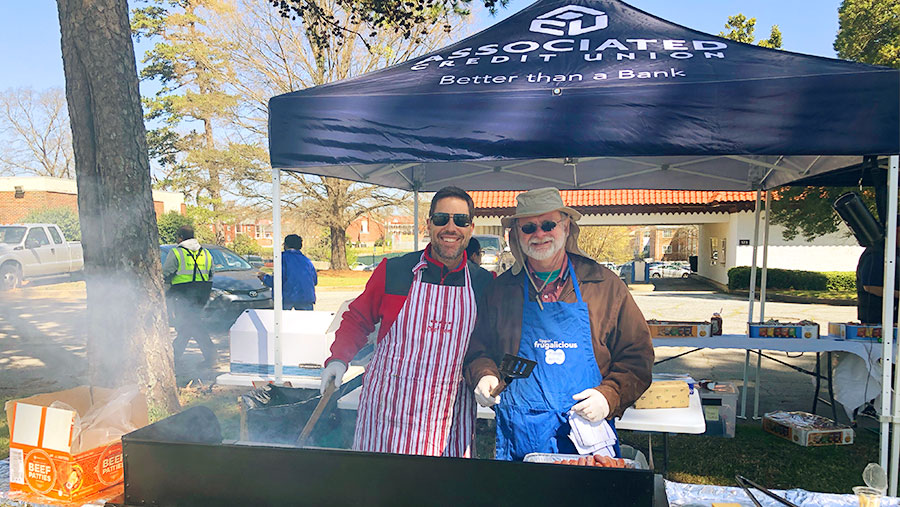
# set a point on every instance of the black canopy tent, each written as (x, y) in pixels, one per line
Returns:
(583, 94)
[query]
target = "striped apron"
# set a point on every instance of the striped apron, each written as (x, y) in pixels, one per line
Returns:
(414, 400)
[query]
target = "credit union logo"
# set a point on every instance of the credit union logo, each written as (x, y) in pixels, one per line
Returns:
(555, 356)
(570, 20)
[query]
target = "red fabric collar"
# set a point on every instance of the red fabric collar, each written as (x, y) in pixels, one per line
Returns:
(440, 264)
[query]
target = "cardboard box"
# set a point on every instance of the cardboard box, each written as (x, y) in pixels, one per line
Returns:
(783, 330)
(67, 445)
(665, 394)
(808, 430)
(856, 331)
(673, 329)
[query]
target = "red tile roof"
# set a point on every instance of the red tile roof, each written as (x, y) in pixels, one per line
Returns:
(585, 198)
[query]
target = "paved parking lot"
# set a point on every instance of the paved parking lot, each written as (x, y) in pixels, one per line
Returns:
(42, 340)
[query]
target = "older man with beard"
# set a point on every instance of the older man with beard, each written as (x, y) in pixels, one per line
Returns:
(577, 320)
(414, 399)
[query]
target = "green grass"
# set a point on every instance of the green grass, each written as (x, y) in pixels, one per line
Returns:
(848, 295)
(4, 429)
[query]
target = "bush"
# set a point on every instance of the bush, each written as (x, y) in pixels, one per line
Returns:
(739, 279)
(841, 280)
(168, 224)
(244, 245)
(65, 218)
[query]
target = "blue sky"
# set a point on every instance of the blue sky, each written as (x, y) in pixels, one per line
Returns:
(31, 57)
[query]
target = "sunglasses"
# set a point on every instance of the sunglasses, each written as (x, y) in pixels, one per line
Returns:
(546, 226)
(442, 219)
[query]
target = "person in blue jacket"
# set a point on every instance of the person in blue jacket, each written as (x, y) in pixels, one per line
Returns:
(298, 276)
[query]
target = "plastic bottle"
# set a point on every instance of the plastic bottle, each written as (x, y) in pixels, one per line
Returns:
(715, 325)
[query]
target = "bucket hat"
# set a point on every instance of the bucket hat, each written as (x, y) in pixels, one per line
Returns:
(537, 202)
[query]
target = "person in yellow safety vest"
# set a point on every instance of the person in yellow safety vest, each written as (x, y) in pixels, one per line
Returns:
(189, 270)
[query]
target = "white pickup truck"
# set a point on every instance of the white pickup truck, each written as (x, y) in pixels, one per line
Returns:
(35, 250)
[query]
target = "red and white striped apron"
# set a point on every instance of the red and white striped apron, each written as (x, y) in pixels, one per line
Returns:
(414, 399)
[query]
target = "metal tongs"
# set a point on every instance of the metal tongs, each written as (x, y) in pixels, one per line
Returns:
(743, 482)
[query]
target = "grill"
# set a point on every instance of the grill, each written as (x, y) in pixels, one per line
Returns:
(182, 460)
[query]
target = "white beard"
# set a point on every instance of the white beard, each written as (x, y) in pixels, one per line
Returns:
(544, 253)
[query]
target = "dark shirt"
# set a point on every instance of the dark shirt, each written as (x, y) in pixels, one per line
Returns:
(870, 271)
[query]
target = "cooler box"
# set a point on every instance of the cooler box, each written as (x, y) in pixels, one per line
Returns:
(306, 338)
(719, 401)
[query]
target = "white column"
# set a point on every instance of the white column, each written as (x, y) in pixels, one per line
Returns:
(762, 298)
(752, 297)
(889, 411)
(276, 266)
(416, 220)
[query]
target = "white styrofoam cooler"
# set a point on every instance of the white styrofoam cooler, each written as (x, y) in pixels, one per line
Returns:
(306, 337)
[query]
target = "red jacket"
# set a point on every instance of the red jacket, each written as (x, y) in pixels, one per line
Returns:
(385, 294)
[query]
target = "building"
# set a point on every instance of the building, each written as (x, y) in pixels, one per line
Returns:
(259, 230)
(723, 220)
(19, 195)
(366, 230)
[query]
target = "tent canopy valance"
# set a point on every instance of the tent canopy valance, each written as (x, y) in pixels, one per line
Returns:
(591, 94)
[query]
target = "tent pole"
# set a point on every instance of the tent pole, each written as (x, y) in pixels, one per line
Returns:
(415, 219)
(752, 297)
(889, 411)
(762, 298)
(276, 267)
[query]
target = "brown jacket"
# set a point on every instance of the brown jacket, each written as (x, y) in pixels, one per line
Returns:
(622, 345)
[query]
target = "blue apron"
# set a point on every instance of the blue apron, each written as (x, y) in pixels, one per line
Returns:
(533, 412)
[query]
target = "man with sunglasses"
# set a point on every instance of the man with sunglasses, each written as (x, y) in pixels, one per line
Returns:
(577, 320)
(414, 399)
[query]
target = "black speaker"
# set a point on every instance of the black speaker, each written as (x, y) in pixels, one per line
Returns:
(853, 211)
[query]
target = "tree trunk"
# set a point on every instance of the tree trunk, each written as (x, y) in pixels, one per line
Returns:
(338, 248)
(128, 333)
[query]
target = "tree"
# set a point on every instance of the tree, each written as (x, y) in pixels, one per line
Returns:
(128, 336)
(271, 56)
(869, 32)
(168, 225)
(190, 61)
(65, 218)
(358, 19)
(244, 245)
(741, 29)
(34, 129)
(606, 243)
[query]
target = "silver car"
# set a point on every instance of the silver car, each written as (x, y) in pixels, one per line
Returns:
(496, 256)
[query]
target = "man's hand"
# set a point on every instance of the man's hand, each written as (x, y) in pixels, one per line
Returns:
(483, 391)
(333, 373)
(261, 276)
(593, 405)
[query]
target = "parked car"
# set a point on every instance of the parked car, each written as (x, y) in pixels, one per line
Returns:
(361, 266)
(496, 256)
(36, 250)
(669, 271)
(255, 260)
(611, 266)
(235, 287)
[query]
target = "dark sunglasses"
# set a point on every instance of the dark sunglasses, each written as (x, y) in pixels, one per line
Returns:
(442, 219)
(546, 226)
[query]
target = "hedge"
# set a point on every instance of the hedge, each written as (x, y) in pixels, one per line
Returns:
(739, 279)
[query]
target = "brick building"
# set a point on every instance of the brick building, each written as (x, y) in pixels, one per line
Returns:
(19, 195)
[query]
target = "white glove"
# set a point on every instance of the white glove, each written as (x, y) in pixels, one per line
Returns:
(334, 372)
(483, 391)
(593, 406)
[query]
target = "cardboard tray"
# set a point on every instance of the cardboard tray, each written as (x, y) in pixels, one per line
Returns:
(546, 457)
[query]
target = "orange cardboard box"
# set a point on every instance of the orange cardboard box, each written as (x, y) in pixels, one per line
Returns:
(67, 445)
